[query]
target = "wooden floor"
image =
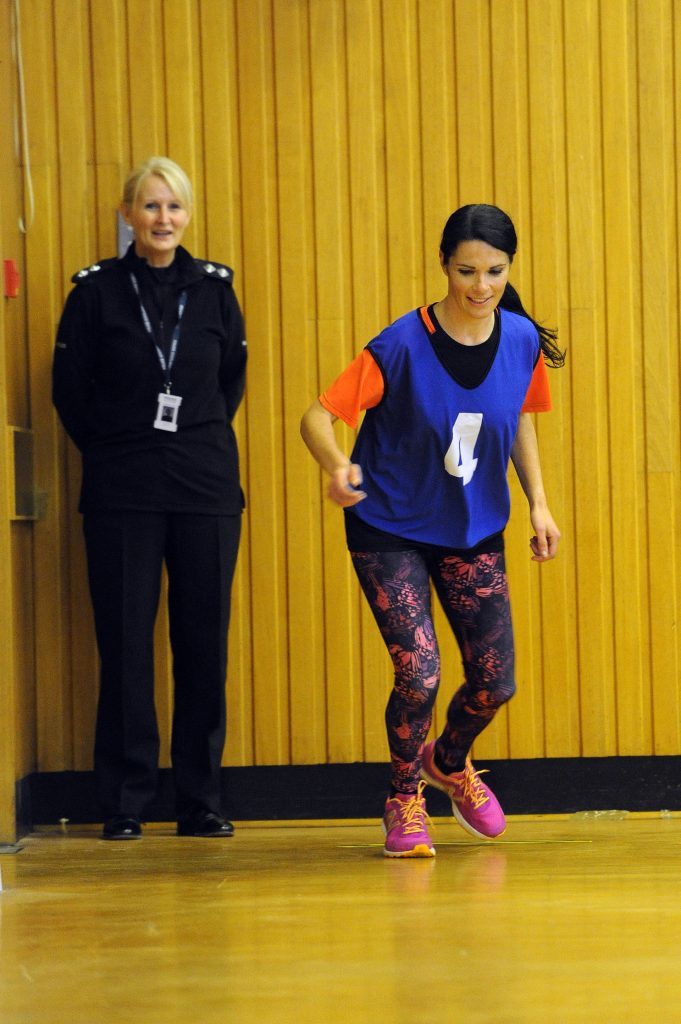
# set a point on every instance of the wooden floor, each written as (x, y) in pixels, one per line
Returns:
(563, 919)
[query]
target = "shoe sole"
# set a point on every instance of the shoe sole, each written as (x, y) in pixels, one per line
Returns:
(456, 812)
(418, 851)
(119, 839)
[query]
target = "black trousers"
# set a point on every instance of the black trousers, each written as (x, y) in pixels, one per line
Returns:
(126, 552)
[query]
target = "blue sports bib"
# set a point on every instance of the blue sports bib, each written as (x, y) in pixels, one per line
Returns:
(435, 454)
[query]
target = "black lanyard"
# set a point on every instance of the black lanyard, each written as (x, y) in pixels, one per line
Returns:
(166, 364)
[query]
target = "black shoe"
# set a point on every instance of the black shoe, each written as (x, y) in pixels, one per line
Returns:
(122, 826)
(206, 824)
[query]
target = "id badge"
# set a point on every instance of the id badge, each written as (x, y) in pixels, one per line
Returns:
(166, 413)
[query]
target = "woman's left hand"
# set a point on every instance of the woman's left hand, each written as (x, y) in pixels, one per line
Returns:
(544, 544)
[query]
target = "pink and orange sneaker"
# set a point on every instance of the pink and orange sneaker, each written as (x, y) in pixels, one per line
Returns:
(474, 805)
(405, 826)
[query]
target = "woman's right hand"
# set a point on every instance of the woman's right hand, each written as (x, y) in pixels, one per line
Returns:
(344, 484)
(316, 428)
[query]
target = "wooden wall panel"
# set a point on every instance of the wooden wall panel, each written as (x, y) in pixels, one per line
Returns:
(109, 110)
(403, 133)
(146, 55)
(264, 477)
(11, 725)
(55, 634)
(438, 74)
(296, 284)
(328, 141)
(630, 643)
(591, 439)
(472, 71)
(555, 676)
(23, 630)
(659, 305)
(667, 733)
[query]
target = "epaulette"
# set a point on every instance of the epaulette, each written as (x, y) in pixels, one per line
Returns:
(93, 270)
(218, 270)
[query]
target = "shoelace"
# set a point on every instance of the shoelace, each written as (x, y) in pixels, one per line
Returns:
(473, 789)
(413, 812)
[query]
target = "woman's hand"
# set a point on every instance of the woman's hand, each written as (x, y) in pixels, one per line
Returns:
(316, 428)
(544, 544)
(344, 486)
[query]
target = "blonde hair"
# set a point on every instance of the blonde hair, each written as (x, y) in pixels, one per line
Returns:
(173, 175)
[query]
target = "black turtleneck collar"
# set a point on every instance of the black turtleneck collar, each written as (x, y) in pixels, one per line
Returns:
(181, 272)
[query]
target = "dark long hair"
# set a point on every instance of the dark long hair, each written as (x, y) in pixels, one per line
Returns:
(479, 222)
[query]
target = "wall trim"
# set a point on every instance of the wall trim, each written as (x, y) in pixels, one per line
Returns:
(531, 786)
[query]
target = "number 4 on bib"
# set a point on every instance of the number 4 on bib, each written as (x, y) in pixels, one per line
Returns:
(459, 459)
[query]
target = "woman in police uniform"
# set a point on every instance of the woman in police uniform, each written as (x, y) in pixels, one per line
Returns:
(148, 372)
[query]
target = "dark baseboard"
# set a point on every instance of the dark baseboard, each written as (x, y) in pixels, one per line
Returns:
(294, 792)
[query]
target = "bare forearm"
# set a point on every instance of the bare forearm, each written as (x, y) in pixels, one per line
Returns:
(525, 456)
(316, 428)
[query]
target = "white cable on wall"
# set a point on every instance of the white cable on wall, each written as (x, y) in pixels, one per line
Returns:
(24, 225)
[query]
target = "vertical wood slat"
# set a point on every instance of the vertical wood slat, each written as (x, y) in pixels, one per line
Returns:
(10, 763)
(556, 673)
(327, 143)
(667, 728)
(659, 297)
(43, 294)
(591, 440)
(624, 371)
(21, 709)
(146, 60)
(438, 135)
(473, 95)
(403, 155)
(110, 104)
(265, 476)
(299, 374)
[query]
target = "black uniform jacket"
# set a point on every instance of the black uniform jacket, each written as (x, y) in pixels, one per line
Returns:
(107, 378)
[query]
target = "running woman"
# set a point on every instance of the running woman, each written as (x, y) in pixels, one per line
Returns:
(449, 391)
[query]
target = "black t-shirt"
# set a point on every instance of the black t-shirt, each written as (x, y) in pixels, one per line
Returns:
(467, 364)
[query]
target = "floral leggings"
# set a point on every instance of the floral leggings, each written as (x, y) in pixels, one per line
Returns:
(473, 592)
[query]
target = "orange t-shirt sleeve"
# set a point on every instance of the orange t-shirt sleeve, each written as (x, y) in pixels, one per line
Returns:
(360, 386)
(538, 397)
